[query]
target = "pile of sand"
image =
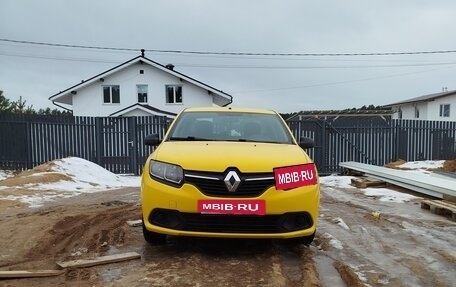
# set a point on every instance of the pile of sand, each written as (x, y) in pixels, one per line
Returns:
(41, 174)
(449, 165)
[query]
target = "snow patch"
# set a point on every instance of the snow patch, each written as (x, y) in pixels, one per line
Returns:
(425, 164)
(386, 194)
(333, 241)
(87, 175)
(84, 177)
(337, 181)
(4, 174)
(339, 221)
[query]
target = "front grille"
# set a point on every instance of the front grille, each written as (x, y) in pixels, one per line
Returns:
(232, 223)
(212, 184)
(227, 223)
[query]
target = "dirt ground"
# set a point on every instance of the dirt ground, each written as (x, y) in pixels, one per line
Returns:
(400, 245)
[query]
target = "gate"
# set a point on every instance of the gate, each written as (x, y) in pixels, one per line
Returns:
(120, 143)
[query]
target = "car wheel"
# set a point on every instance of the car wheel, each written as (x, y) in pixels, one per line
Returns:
(306, 240)
(153, 238)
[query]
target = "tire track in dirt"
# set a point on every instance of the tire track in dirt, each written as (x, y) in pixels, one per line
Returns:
(297, 265)
(224, 262)
(93, 232)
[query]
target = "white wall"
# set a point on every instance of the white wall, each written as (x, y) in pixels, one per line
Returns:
(429, 110)
(434, 109)
(89, 100)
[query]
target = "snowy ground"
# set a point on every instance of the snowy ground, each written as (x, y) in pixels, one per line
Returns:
(384, 235)
(365, 237)
(61, 178)
(81, 176)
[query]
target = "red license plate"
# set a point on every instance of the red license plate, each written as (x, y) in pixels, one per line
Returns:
(295, 176)
(239, 206)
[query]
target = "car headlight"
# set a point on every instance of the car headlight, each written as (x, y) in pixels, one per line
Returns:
(167, 172)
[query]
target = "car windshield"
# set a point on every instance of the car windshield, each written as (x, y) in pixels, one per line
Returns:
(230, 126)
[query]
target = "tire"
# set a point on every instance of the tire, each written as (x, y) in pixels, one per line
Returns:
(153, 238)
(306, 240)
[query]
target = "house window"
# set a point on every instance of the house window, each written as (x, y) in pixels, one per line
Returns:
(173, 94)
(111, 94)
(445, 110)
(417, 112)
(142, 93)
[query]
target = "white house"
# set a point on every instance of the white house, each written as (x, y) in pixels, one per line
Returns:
(434, 107)
(138, 87)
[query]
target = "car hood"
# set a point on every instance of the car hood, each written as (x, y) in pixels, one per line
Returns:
(218, 156)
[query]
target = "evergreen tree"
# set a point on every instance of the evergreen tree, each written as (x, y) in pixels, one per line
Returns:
(5, 104)
(20, 107)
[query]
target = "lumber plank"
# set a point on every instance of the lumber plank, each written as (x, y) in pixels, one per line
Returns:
(440, 203)
(364, 182)
(427, 184)
(29, 273)
(99, 260)
(440, 207)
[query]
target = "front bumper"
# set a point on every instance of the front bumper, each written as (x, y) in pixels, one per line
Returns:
(173, 211)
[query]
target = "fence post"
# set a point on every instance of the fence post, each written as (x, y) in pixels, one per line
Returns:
(29, 144)
(133, 145)
(99, 140)
(324, 146)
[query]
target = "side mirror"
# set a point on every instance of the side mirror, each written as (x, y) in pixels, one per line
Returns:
(152, 140)
(306, 143)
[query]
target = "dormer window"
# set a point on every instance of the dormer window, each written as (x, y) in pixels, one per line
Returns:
(142, 93)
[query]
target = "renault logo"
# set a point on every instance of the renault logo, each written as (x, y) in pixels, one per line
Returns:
(232, 181)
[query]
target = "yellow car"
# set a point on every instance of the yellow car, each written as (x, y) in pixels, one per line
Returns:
(232, 173)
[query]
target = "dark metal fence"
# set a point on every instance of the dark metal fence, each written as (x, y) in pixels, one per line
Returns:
(376, 142)
(116, 143)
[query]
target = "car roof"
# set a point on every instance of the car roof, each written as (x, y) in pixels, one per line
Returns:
(230, 109)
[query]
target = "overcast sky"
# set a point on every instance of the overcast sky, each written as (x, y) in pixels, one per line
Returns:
(282, 83)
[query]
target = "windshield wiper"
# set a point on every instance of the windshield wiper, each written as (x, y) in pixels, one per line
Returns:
(257, 141)
(189, 138)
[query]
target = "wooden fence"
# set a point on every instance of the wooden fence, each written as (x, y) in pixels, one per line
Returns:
(116, 143)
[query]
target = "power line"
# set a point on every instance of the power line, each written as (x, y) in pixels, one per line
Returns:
(230, 53)
(68, 46)
(59, 58)
(263, 67)
(274, 67)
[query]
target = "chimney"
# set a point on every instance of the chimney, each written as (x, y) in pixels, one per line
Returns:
(142, 52)
(170, 66)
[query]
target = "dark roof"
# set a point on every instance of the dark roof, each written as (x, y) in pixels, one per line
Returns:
(142, 106)
(425, 98)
